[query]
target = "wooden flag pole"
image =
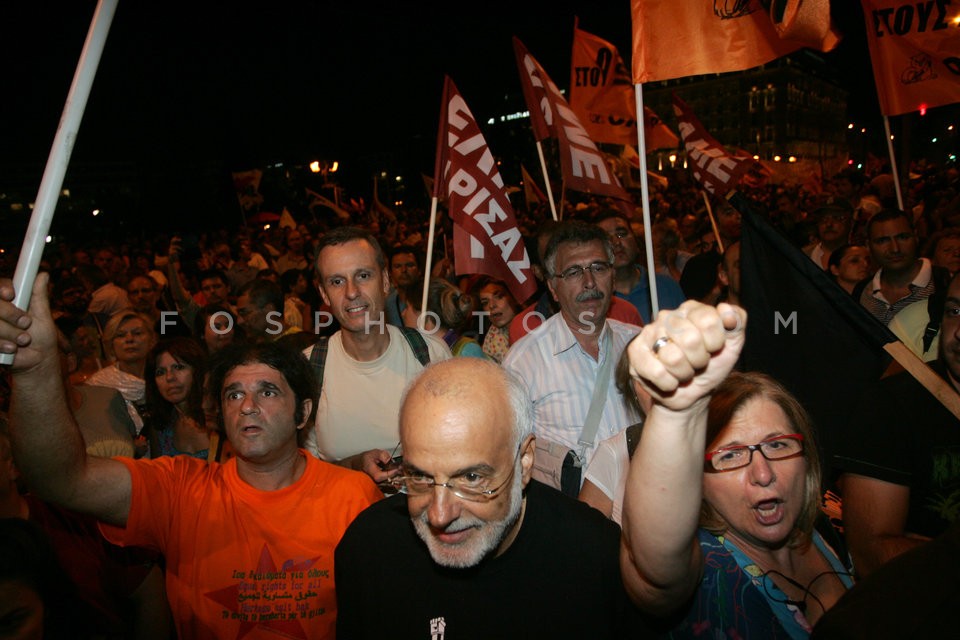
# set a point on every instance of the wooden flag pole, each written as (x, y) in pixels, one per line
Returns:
(713, 221)
(546, 181)
(893, 162)
(429, 264)
(46, 203)
(645, 202)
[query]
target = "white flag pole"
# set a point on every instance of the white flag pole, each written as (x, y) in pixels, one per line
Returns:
(645, 202)
(893, 162)
(49, 192)
(546, 181)
(429, 264)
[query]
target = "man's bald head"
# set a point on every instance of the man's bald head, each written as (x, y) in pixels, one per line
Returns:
(472, 380)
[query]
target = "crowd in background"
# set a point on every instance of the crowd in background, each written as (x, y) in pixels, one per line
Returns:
(140, 318)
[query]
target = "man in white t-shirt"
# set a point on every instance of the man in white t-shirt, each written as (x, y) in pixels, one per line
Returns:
(367, 363)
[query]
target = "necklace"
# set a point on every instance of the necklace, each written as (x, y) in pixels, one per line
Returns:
(800, 604)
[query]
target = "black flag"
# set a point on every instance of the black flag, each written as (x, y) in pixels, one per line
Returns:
(806, 331)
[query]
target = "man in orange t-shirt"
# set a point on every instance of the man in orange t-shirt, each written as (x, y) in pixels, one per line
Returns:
(249, 543)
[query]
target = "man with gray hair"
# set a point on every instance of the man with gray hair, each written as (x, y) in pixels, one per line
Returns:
(488, 545)
(572, 355)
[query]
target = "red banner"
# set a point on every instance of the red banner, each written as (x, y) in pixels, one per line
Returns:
(679, 38)
(485, 234)
(531, 192)
(582, 164)
(915, 49)
(712, 165)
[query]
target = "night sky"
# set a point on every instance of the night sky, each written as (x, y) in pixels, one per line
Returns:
(188, 89)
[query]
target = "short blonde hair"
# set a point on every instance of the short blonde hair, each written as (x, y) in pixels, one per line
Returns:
(113, 327)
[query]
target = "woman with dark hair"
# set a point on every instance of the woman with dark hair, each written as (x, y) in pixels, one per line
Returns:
(448, 313)
(849, 265)
(495, 299)
(723, 490)
(175, 404)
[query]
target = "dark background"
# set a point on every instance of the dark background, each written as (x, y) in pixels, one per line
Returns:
(187, 92)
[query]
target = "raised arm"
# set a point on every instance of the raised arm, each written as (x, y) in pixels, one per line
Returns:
(180, 295)
(697, 346)
(47, 443)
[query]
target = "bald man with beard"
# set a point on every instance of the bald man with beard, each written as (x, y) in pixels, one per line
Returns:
(472, 545)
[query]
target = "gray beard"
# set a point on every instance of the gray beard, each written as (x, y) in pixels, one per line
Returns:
(485, 541)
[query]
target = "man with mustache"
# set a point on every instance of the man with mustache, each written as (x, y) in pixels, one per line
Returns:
(562, 360)
(900, 477)
(490, 550)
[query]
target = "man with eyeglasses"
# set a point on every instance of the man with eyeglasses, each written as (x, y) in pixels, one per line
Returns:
(562, 361)
(630, 277)
(491, 553)
(834, 222)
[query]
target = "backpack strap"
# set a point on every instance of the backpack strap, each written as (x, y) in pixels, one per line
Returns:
(318, 354)
(417, 344)
(318, 360)
(935, 304)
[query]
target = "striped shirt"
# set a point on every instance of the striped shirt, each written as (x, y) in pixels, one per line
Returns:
(921, 288)
(560, 377)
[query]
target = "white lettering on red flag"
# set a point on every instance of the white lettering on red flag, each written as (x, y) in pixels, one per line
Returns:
(581, 162)
(486, 238)
(711, 164)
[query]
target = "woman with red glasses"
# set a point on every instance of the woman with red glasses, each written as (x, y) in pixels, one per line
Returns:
(723, 490)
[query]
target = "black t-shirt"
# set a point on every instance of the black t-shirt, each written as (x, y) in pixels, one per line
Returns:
(559, 579)
(903, 435)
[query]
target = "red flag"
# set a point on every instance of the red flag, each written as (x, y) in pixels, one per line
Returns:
(715, 168)
(485, 234)
(678, 38)
(915, 49)
(533, 194)
(582, 164)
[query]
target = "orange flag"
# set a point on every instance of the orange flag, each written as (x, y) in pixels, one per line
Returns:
(658, 135)
(582, 164)
(677, 38)
(601, 94)
(486, 238)
(915, 49)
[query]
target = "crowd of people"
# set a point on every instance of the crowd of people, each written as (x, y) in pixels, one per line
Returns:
(274, 431)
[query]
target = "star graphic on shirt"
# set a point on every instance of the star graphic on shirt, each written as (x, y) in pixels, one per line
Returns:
(228, 597)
